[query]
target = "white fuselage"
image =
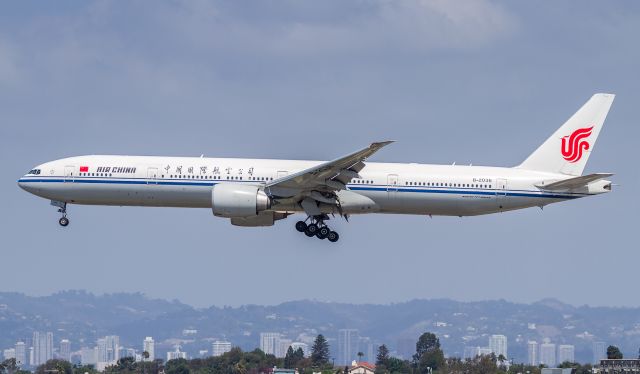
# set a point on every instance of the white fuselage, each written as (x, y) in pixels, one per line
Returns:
(392, 187)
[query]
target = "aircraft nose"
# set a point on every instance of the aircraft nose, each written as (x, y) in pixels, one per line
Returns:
(22, 184)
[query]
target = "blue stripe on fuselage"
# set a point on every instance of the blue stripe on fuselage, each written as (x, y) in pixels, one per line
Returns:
(354, 187)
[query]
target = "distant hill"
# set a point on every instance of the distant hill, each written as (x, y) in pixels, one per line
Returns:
(83, 317)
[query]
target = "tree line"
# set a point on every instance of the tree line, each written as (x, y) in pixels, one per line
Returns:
(428, 359)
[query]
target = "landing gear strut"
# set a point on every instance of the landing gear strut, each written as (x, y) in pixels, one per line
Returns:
(316, 227)
(62, 208)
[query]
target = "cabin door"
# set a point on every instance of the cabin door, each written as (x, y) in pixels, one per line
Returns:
(501, 192)
(392, 186)
(68, 173)
(152, 176)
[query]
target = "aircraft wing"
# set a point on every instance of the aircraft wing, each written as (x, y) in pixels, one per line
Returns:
(328, 177)
(576, 182)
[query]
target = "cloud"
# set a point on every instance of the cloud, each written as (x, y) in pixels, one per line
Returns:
(341, 27)
(167, 42)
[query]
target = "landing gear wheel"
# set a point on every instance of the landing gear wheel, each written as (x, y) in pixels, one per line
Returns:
(333, 236)
(311, 230)
(301, 226)
(323, 232)
(64, 222)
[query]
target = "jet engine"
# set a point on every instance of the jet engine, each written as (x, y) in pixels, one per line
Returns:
(231, 200)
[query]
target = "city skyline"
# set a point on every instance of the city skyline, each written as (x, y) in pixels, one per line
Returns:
(106, 351)
(464, 326)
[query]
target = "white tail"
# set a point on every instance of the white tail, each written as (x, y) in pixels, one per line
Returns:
(569, 148)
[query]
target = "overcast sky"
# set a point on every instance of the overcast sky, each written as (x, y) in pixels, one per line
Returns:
(479, 82)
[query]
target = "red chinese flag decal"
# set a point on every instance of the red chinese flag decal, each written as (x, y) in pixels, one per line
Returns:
(84, 169)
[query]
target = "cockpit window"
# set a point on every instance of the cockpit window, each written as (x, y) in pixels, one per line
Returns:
(34, 172)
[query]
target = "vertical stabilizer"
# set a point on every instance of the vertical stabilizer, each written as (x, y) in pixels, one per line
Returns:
(569, 148)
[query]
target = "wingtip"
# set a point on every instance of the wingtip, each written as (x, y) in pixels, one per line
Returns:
(382, 143)
(605, 94)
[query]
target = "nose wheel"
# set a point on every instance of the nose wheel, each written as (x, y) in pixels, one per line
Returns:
(316, 227)
(62, 208)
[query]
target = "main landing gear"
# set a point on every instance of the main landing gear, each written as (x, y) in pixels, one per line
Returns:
(316, 227)
(62, 208)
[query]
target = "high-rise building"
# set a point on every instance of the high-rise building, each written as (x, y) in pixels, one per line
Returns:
(305, 348)
(498, 345)
(149, 346)
(21, 354)
(176, 354)
(599, 351)
(548, 353)
(65, 350)
(88, 356)
(368, 348)
(532, 353)
(42, 347)
(348, 340)
(9, 353)
(470, 353)
(283, 347)
(566, 353)
(269, 342)
(108, 349)
(218, 348)
(126, 352)
(484, 351)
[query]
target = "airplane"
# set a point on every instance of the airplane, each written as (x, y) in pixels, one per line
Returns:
(258, 192)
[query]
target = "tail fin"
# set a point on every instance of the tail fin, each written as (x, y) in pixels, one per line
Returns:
(569, 148)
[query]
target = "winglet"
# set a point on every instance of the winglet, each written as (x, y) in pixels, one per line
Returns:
(378, 145)
(373, 148)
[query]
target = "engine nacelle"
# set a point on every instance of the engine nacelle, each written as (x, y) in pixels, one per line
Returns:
(233, 200)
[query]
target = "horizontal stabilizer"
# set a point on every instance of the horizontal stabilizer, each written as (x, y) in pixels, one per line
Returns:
(572, 183)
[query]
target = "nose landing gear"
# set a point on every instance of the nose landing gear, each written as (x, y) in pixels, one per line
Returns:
(316, 227)
(62, 208)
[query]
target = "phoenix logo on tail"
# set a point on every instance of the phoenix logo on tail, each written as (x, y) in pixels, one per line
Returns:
(574, 144)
